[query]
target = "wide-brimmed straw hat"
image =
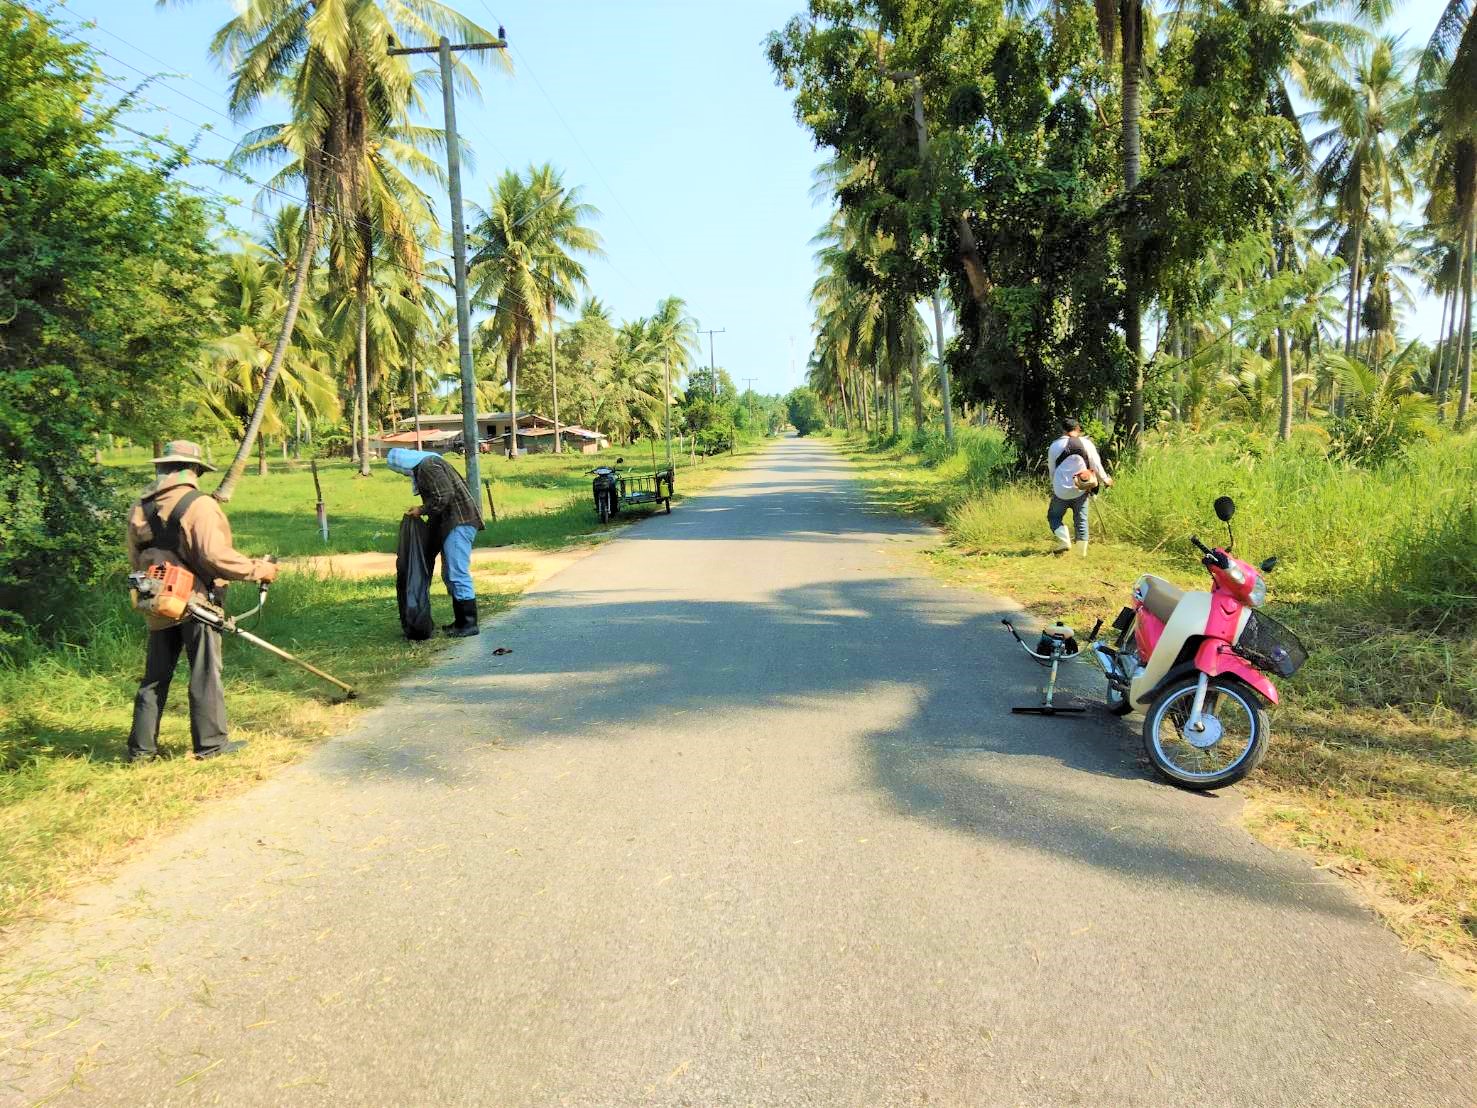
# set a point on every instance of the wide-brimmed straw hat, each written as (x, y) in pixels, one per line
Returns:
(182, 451)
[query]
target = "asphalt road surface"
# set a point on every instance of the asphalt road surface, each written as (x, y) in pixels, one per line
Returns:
(743, 819)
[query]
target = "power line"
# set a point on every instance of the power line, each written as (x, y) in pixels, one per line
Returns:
(332, 158)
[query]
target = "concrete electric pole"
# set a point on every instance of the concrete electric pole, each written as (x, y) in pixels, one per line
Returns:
(712, 368)
(445, 49)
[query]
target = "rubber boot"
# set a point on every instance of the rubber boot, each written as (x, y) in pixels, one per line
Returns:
(1083, 547)
(466, 619)
(1063, 540)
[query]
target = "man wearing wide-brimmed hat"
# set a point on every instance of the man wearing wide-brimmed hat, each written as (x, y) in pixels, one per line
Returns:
(174, 523)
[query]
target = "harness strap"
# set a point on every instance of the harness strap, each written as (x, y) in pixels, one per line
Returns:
(166, 533)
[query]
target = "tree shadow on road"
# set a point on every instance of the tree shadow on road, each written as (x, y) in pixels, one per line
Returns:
(613, 665)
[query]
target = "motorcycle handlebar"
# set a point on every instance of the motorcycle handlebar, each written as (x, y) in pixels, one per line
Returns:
(1212, 557)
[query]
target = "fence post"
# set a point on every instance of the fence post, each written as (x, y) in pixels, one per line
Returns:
(322, 512)
(491, 507)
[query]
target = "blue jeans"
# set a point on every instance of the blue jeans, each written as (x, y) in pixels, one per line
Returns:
(1058, 511)
(456, 562)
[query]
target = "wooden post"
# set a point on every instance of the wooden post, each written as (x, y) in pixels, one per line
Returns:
(491, 507)
(322, 512)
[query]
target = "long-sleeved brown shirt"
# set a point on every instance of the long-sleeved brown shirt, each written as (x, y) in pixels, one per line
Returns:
(449, 503)
(205, 541)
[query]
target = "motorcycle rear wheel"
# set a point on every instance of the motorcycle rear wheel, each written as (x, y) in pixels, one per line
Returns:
(1233, 710)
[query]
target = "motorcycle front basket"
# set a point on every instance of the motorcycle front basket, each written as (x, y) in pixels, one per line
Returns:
(1270, 646)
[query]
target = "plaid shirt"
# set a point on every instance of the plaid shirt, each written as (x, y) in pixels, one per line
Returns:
(448, 501)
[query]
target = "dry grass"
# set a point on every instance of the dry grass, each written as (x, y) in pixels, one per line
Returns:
(1373, 765)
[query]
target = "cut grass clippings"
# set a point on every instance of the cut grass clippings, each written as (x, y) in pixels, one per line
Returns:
(69, 804)
(1372, 769)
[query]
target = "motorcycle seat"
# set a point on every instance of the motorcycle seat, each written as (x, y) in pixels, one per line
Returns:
(1161, 598)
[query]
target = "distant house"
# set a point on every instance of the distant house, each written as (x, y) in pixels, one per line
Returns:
(575, 440)
(437, 440)
(535, 432)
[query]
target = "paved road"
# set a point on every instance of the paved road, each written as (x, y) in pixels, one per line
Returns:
(742, 820)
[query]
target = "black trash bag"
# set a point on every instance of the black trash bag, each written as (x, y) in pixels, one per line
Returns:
(413, 579)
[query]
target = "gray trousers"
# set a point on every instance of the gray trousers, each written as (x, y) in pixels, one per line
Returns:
(1057, 512)
(202, 647)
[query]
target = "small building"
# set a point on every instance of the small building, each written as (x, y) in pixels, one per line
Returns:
(492, 427)
(575, 440)
(437, 440)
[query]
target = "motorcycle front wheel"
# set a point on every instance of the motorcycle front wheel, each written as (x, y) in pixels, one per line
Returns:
(1231, 743)
(602, 506)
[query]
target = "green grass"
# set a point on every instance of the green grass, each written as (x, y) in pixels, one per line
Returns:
(1373, 766)
(543, 501)
(69, 805)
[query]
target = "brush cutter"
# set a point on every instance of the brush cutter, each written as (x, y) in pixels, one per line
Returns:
(168, 591)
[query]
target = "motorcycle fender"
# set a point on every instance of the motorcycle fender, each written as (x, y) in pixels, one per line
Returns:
(1215, 657)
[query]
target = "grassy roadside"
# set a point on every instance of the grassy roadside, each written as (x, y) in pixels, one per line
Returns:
(1373, 766)
(69, 807)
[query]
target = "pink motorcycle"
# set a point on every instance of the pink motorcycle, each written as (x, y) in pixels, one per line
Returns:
(1197, 664)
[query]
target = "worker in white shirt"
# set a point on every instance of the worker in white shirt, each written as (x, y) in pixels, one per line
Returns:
(1076, 472)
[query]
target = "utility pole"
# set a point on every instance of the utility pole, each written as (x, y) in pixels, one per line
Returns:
(749, 388)
(938, 311)
(712, 368)
(444, 49)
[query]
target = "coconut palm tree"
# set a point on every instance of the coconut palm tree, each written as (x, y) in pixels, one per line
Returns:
(253, 293)
(1366, 106)
(1120, 29)
(632, 394)
(509, 271)
(1446, 117)
(557, 235)
(330, 62)
(1383, 411)
(673, 334)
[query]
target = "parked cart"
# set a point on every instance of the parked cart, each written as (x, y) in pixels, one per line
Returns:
(615, 490)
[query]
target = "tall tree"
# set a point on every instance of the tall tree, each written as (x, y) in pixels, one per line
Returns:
(523, 262)
(330, 62)
(559, 235)
(1120, 26)
(106, 293)
(1366, 105)
(1447, 116)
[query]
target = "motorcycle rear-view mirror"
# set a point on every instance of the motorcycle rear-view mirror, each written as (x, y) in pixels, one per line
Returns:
(1225, 508)
(1270, 564)
(618, 461)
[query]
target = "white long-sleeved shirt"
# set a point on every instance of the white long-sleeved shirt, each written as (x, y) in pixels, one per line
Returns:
(1064, 470)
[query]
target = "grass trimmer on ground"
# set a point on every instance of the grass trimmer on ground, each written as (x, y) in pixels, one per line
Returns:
(169, 591)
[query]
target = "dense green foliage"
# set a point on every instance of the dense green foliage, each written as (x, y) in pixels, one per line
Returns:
(105, 294)
(804, 410)
(1060, 178)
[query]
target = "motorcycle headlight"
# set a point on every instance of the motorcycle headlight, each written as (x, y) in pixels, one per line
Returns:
(1259, 592)
(1235, 573)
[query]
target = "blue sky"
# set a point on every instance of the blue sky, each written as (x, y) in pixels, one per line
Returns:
(664, 111)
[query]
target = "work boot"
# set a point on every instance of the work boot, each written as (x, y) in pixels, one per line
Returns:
(136, 756)
(1063, 540)
(230, 746)
(466, 619)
